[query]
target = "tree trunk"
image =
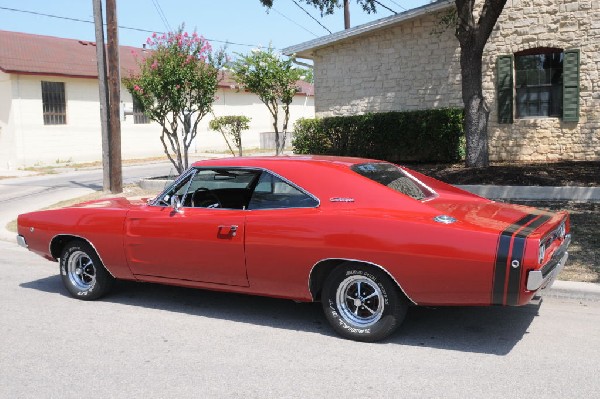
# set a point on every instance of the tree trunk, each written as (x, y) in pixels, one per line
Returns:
(472, 34)
(476, 110)
(276, 137)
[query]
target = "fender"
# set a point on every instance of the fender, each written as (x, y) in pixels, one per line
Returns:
(310, 274)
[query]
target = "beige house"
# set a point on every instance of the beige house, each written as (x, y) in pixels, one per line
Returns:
(541, 74)
(49, 107)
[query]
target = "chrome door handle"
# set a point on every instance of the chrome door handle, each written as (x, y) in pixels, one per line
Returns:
(230, 230)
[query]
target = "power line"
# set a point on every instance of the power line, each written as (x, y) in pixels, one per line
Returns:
(384, 6)
(310, 15)
(120, 26)
(294, 22)
(399, 5)
(162, 15)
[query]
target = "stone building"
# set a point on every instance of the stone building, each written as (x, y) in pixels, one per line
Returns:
(541, 73)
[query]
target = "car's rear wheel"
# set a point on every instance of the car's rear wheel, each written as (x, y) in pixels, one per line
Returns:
(82, 271)
(362, 303)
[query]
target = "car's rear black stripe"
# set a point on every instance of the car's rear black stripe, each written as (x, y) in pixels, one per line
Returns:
(514, 273)
(514, 278)
(502, 257)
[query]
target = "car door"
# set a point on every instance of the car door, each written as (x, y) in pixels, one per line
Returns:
(283, 227)
(202, 243)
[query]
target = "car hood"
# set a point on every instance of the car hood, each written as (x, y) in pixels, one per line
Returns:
(484, 215)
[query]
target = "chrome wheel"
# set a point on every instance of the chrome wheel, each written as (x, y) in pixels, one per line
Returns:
(81, 270)
(360, 301)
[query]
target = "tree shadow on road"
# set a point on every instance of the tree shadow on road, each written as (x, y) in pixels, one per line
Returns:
(489, 330)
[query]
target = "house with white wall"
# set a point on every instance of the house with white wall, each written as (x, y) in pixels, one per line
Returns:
(50, 112)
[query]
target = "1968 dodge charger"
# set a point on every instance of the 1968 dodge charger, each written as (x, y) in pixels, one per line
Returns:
(366, 238)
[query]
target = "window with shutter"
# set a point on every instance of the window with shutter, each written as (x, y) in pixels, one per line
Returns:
(539, 82)
(504, 88)
(571, 86)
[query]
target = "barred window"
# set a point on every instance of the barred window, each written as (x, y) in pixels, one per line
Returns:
(138, 114)
(54, 104)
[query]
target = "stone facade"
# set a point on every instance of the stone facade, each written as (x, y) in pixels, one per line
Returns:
(565, 24)
(407, 66)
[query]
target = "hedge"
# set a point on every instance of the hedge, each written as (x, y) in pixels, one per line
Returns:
(416, 136)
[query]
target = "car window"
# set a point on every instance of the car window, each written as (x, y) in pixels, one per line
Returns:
(395, 178)
(272, 192)
(214, 188)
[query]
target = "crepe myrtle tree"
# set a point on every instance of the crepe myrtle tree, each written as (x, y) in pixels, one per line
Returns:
(231, 127)
(473, 25)
(176, 86)
(274, 80)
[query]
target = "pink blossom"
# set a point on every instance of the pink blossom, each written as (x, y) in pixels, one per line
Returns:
(148, 41)
(154, 35)
(154, 65)
(137, 88)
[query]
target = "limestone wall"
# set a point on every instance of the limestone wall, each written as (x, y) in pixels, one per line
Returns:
(406, 67)
(562, 24)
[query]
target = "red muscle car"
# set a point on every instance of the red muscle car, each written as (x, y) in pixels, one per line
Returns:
(366, 238)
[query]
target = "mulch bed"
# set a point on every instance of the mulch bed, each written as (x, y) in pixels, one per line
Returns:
(583, 173)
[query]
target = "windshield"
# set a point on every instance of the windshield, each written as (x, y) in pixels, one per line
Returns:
(395, 178)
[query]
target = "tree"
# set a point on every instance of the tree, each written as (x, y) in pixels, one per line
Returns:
(231, 126)
(176, 86)
(472, 36)
(472, 33)
(274, 81)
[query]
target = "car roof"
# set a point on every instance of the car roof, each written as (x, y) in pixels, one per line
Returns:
(323, 176)
(263, 161)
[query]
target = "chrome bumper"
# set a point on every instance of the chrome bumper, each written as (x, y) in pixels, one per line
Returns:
(21, 241)
(544, 278)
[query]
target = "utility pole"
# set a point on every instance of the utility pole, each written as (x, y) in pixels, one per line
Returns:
(114, 98)
(103, 91)
(346, 14)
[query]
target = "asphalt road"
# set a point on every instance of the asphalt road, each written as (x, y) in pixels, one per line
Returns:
(153, 341)
(26, 194)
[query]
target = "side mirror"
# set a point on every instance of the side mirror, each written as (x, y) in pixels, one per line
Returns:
(176, 204)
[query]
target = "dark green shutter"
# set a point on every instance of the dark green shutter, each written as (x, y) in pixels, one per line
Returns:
(571, 86)
(504, 88)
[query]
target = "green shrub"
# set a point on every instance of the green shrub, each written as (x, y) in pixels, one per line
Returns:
(416, 136)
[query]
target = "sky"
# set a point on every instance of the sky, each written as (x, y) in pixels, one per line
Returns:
(245, 24)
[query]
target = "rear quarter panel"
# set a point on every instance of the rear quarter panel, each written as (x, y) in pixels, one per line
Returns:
(433, 263)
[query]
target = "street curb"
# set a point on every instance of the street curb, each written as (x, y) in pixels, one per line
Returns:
(574, 290)
(535, 193)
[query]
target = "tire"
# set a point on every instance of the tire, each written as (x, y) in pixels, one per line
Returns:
(83, 273)
(370, 315)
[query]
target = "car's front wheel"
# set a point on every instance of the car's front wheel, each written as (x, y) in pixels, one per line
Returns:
(82, 271)
(362, 303)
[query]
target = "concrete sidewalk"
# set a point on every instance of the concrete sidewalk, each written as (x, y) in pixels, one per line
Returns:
(574, 290)
(535, 193)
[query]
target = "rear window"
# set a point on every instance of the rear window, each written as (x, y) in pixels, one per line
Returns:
(395, 178)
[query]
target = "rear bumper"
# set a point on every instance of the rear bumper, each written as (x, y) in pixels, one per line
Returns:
(544, 277)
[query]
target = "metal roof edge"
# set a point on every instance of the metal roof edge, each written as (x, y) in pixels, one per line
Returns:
(368, 27)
